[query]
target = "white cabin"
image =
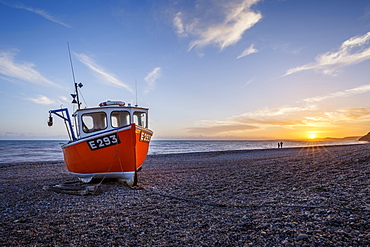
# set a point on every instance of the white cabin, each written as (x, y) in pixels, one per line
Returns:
(108, 116)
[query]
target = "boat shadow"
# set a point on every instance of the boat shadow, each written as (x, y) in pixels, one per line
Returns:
(94, 187)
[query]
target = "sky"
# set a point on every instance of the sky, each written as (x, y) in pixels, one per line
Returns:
(217, 70)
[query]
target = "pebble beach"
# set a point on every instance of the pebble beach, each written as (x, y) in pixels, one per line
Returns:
(314, 196)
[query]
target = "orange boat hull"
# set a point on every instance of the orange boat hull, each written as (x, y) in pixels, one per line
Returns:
(118, 153)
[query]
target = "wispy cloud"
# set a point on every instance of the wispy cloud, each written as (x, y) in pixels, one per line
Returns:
(354, 113)
(250, 81)
(42, 100)
(271, 121)
(345, 93)
(40, 12)
(63, 99)
(179, 26)
(151, 79)
(278, 111)
(301, 118)
(218, 129)
(248, 51)
(257, 120)
(287, 116)
(109, 78)
(333, 119)
(21, 71)
(352, 51)
(221, 24)
(304, 116)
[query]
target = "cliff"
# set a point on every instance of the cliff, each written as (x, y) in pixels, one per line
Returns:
(348, 138)
(365, 138)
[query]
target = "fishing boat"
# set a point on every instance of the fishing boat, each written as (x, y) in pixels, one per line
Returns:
(110, 140)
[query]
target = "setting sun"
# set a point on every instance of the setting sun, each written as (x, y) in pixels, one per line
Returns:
(312, 136)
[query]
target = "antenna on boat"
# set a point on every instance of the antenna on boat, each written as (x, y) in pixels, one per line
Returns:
(75, 95)
(136, 93)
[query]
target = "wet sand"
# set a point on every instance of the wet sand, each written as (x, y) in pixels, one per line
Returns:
(280, 197)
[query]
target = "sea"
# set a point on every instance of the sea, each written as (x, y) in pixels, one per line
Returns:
(18, 151)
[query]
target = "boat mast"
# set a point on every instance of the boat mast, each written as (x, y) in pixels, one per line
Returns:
(75, 95)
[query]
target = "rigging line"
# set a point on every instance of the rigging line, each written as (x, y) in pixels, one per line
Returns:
(73, 75)
(185, 199)
(110, 167)
(70, 60)
(65, 123)
(251, 205)
(83, 98)
(80, 158)
(73, 107)
(75, 121)
(119, 156)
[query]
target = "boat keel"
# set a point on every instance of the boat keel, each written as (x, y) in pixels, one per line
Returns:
(127, 177)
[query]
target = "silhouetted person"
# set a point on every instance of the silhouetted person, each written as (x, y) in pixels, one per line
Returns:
(278, 144)
(281, 144)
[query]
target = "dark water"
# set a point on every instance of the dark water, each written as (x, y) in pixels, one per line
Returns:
(12, 151)
(30, 151)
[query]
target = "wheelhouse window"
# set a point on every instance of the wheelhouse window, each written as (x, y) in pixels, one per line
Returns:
(94, 121)
(120, 118)
(140, 118)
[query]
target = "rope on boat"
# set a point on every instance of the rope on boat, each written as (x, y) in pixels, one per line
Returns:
(185, 199)
(273, 205)
(79, 188)
(111, 164)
